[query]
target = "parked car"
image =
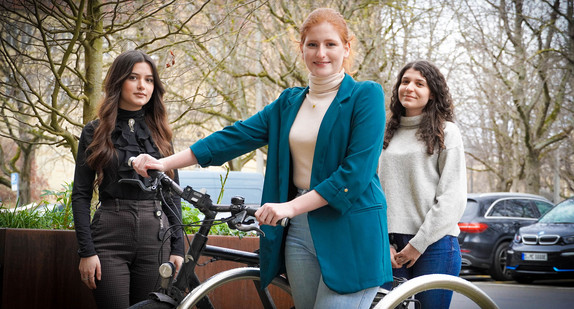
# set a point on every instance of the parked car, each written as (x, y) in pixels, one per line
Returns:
(488, 225)
(544, 250)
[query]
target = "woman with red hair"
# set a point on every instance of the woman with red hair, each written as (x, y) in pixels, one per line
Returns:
(323, 142)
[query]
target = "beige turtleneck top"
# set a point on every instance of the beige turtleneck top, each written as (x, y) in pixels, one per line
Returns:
(303, 134)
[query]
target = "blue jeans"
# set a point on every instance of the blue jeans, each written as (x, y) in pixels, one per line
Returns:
(442, 257)
(304, 274)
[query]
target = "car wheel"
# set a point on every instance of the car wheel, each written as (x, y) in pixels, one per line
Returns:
(498, 269)
(522, 279)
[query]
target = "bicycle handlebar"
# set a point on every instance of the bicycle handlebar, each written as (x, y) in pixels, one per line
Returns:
(203, 202)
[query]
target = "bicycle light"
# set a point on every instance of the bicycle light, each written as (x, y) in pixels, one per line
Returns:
(166, 270)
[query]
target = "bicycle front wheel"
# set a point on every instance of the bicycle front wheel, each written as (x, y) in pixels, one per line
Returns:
(278, 295)
(436, 281)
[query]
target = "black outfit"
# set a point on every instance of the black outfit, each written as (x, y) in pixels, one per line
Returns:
(126, 232)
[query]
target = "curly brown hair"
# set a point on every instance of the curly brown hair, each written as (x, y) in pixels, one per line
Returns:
(101, 149)
(437, 111)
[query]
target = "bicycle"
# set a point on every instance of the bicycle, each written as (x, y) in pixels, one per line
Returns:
(173, 289)
(186, 291)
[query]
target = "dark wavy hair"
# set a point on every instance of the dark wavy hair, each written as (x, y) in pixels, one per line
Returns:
(438, 110)
(101, 150)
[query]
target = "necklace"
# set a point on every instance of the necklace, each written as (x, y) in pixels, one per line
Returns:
(313, 104)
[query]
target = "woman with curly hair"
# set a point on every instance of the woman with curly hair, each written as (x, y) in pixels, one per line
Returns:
(119, 248)
(422, 172)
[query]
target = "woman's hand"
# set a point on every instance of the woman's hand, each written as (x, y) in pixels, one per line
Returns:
(145, 162)
(90, 270)
(408, 256)
(271, 213)
(394, 263)
(177, 261)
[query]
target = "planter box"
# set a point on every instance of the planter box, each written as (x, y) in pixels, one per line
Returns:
(39, 269)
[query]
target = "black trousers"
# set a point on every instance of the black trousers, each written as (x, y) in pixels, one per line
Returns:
(130, 244)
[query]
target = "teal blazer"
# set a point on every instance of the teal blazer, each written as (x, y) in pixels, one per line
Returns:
(350, 233)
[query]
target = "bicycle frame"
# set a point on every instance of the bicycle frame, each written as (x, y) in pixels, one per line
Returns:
(230, 275)
(173, 290)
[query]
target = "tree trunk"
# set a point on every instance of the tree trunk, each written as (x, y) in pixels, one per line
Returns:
(93, 61)
(532, 173)
(28, 152)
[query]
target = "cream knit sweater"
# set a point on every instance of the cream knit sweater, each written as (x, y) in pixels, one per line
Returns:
(426, 195)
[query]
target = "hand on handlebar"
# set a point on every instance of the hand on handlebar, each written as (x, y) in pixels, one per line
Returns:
(273, 213)
(144, 162)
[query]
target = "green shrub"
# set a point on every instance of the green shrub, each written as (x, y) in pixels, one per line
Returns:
(61, 218)
(59, 215)
(16, 218)
(42, 215)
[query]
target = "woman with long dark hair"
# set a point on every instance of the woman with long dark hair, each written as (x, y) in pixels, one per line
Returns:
(423, 174)
(119, 247)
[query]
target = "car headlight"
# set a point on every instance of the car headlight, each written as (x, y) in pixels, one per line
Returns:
(517, 238)
(568, 239)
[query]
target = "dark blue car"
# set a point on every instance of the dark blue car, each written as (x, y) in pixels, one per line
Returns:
(488, 225)
(544, 250)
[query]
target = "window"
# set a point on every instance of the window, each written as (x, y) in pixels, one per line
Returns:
(528, 209)
(543, 207)
(516, 208)
(502, 208)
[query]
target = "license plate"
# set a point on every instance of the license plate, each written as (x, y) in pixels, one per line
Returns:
(534, 257)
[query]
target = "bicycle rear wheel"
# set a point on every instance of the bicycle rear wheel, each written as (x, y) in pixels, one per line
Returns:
(279, 290)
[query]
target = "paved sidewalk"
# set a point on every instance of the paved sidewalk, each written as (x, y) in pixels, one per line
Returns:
(512, 295)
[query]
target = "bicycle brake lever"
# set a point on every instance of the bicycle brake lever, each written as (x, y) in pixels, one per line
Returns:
(250, 227)
(140, 184)
(238, 223)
